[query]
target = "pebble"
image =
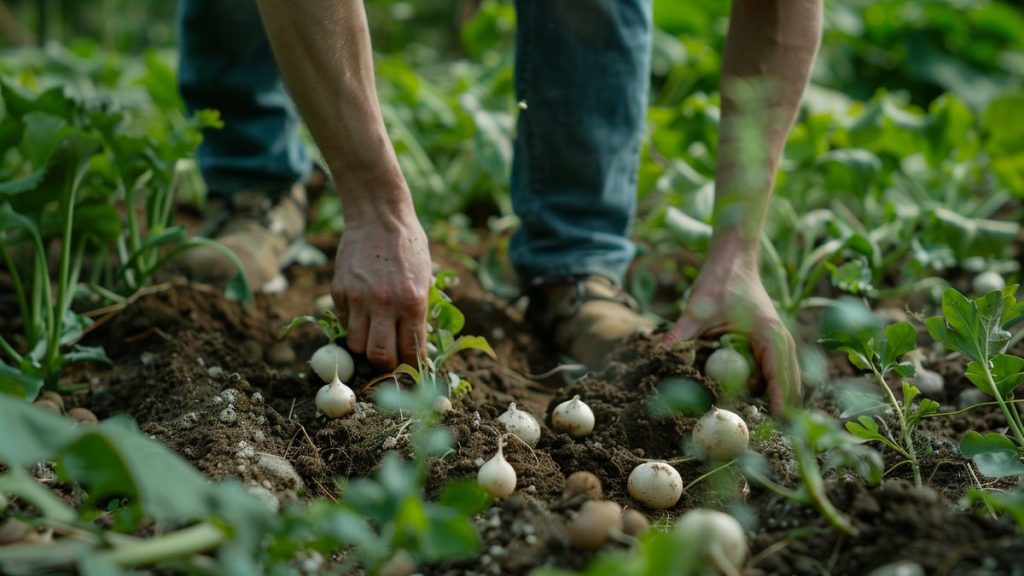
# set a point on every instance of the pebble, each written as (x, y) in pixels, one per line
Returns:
(146, 358)
(215, 372)
(969, 397)
(188, 420)
(229, 395)
(530, 539)
(478, 462)
(266, 495)
(218, 400)
(280, 354)
(83, 416)
(228, 415)
(257, 398)
(258, 436)
(279, 469)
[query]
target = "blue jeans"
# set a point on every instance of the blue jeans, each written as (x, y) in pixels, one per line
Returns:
(226, 64)
(582, 67)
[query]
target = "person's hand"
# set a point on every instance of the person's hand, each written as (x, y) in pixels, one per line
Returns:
(729, 297)
(381, 285)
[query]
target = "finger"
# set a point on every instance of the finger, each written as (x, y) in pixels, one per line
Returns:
(776, 353)
(380, 344)
(412, 341)
(358, 327)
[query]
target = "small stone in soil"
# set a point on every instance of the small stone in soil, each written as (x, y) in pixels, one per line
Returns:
(279, 469)
(252, 351)
(228, 415)
(215, 372)
(257, 398)
(280, 354)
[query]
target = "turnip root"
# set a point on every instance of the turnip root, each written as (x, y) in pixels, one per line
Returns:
(522, 424)
(986, 282)
(655, 485)
(594, 524)
(330, 359)
(729, 368)
(335, 400)
(634, 523)
(582, 483)
(721, 434)
(719, 535)
(573, 417)
(496, 476)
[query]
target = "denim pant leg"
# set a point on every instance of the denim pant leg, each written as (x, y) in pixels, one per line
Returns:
(582, 67)
(226, 64)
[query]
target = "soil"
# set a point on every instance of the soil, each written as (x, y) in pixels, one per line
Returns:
(209, 378)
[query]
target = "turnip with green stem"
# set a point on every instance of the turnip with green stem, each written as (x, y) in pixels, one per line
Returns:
(497, 477)
(329, 358)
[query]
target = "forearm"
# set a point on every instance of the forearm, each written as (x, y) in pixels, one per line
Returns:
(771, 47)
(323, 51)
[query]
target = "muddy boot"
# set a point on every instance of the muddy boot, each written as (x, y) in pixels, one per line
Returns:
(258, 228)
(585, 317)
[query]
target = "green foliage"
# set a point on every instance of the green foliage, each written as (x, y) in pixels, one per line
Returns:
(328, 324)
(139, 481)
(977, 328)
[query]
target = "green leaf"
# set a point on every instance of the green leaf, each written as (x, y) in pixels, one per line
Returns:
(16, 383)
(448, 535)
(900, 338)
(995, 454)
(465, 496)
(1007, 373)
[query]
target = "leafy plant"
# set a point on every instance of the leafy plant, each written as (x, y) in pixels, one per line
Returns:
(976, 328)
(880, 353)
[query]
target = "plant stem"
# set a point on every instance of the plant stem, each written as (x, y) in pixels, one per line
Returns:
(1010, 419)
(184, 542)
(711, 472)
(18, 483)
(9, 350)
(908, 441)
(811, 476)
(19, 287)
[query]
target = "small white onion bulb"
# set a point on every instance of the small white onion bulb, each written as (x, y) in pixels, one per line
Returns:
(655, 485)
(521, 423)
(330, 358)
(573, 417)
(721, 434)
(729, 368)
(986, 282)
(336, 399)
(497, 477)
(719, 535)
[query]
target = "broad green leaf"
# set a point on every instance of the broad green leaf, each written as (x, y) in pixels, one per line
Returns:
(995, 454)
(449, 535)
(465, 496)
(900, 338)
(1007, 373)
(16, 383)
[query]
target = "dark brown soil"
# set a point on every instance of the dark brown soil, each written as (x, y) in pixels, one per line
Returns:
(209, 378)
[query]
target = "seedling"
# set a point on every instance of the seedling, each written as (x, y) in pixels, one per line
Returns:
(880, 353)
(977, 328)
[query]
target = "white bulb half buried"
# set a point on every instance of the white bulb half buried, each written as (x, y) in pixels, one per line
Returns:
(496, 476)
(335, 400)
(721, 434)
(656, 485)
(573, 417)
(522, 424)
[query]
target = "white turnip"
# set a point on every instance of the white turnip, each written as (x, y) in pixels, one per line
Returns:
(573, 417)
(332, 358)
(655, 485)
(721, 434)
(521, 423)
(335, 400)
(594, 524)
(719, 536)
(496, 476)
(729, 368)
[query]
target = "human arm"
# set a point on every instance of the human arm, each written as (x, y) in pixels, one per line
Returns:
(771, 44)
(382, 269)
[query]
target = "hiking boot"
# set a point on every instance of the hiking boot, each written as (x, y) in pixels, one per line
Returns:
(585, 317)
(258, 228)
